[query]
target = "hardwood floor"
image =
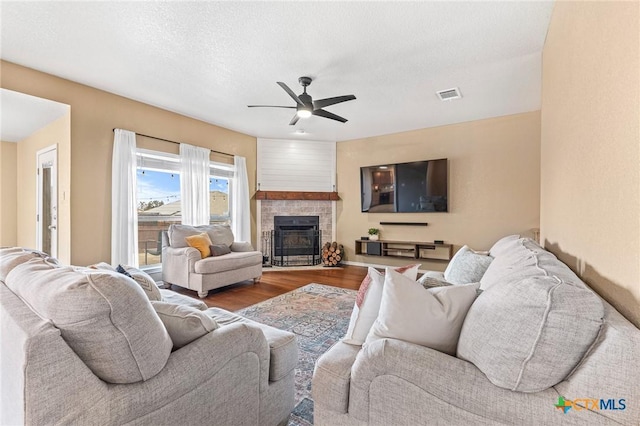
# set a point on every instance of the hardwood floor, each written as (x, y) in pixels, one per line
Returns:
(275, 283)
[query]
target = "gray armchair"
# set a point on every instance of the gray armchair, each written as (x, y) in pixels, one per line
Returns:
(184, 266)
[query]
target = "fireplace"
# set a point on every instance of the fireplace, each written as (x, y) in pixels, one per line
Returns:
(295, 240)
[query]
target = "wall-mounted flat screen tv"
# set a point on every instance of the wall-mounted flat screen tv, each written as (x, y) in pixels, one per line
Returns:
(416, 187)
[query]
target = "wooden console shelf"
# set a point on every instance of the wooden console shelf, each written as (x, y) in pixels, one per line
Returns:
(405, 249)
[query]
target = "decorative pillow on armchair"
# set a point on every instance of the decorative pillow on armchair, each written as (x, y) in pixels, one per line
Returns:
(202, 242)
(219, 249)
(467, 266)
(367, 303)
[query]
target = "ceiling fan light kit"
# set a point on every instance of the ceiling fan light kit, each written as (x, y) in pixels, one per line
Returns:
(306, 106)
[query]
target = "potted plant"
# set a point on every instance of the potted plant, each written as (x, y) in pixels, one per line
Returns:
(374, 234)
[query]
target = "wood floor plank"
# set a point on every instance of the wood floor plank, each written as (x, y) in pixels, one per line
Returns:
(275, 283)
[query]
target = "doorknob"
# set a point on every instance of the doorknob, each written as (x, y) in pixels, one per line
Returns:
(52, 227)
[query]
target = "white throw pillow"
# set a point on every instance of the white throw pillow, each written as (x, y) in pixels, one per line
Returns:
(145, 281)
(184, 323)
(467, 266)
(367, 303)
(431, 318)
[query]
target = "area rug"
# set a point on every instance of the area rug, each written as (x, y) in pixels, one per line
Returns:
(319, 316)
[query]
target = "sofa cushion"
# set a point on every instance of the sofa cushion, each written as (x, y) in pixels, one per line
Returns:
(367, 305)
(228, 262)
(512, 266)
(427, 317)
(219, 234)
(503, 245)
(467, 266)
(528, 335)
(103, 316)
(184, 323)
(200, 241)
(282, 344)
(10, 257)
(170, 296)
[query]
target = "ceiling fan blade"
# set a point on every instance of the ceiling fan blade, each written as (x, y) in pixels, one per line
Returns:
(290, 92)
(327, 114)
(270, 106)
(321, 103)
(294, 120)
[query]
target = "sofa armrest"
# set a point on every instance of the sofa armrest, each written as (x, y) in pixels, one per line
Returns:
(177, 263)
(241, 246)
(446, 384)
(192, 367)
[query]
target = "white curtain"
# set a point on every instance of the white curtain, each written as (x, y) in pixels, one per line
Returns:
(124, 214)
(194, 184)
(241, 220)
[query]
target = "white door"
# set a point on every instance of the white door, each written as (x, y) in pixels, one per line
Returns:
(47, 215)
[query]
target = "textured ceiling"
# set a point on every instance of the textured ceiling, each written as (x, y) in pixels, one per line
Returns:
(209, 60)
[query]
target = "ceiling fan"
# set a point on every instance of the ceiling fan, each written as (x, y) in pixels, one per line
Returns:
(306, 106)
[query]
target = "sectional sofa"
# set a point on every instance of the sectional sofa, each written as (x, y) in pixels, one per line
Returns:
(537, 346)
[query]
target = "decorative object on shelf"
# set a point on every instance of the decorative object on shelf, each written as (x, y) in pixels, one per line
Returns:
(332, 254)
(374, 234)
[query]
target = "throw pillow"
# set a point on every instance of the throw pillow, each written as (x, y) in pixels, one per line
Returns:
(202, 242)
(467, 266)
(219, 249)
(431, 318)
(427, 282)
(120, 269)
(184, 323)
(528, 335)
(143, 280)
(367, 303)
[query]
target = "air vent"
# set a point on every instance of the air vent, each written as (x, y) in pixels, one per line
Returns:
(449, 94)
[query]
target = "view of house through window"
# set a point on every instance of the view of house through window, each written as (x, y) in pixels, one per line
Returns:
(159, 203)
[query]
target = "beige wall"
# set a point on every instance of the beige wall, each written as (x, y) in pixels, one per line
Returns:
(56, 133)
(8, 193)
(494, 183)
(94, 113)
(590, 148)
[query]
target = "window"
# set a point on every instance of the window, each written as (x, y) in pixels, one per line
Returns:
(159, 203)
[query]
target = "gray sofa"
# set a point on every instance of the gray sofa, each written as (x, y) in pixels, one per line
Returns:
(184, 266)
(86, 347)
(535, 334)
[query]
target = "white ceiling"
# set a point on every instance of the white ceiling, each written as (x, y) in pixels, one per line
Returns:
(209, 60)
(22, 115)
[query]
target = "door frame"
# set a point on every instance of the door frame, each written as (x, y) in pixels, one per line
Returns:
(39, 212)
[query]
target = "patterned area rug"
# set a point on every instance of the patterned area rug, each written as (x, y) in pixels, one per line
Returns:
(319, 315)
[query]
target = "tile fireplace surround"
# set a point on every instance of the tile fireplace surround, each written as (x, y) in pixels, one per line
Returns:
(325, 210)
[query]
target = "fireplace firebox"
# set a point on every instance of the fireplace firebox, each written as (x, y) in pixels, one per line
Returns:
(295, 240)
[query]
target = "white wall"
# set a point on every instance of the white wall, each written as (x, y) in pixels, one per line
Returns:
(288, 165)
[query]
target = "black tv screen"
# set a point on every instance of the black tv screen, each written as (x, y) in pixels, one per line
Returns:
(416, 187)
